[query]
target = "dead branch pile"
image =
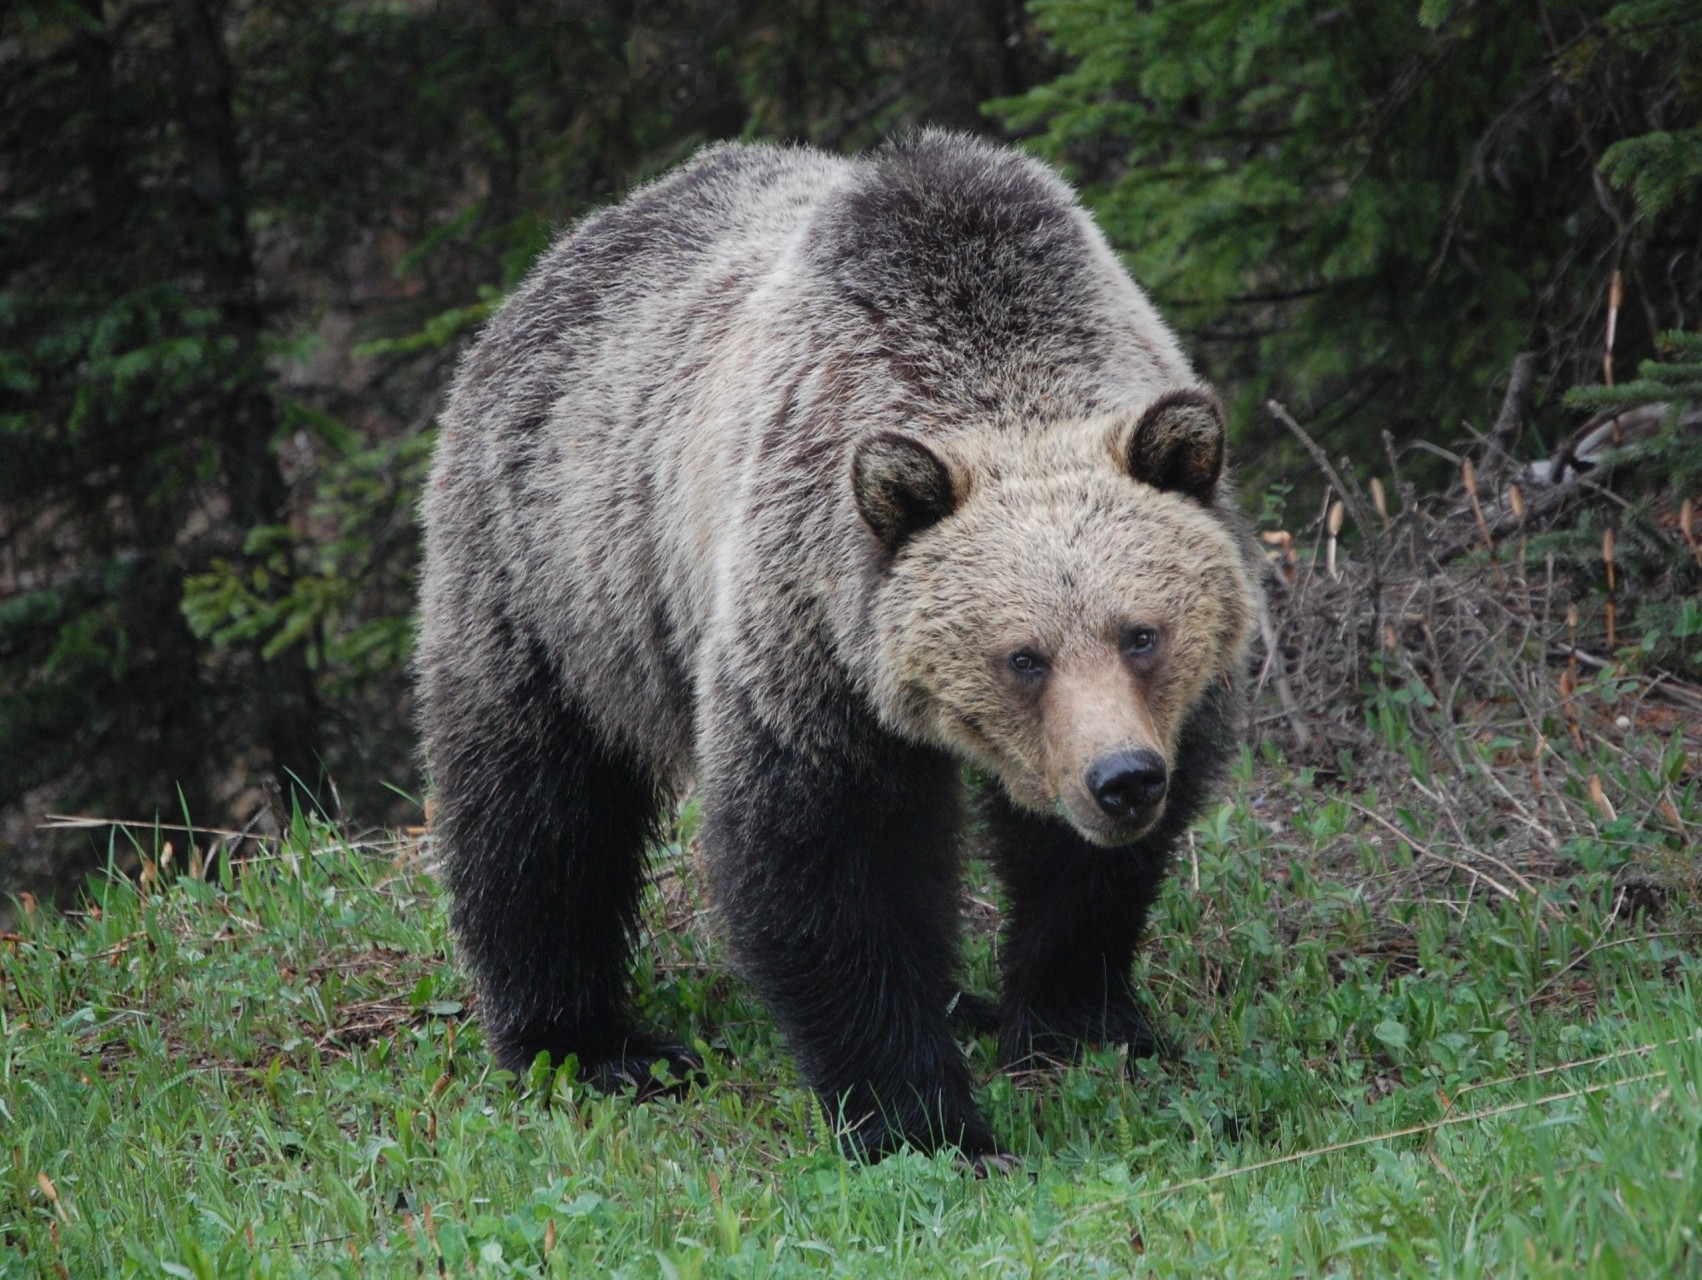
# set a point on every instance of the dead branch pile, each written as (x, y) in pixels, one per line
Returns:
(1458, 675)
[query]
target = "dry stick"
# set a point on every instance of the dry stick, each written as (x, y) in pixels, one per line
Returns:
(1430, 1127)
(1454, 821)
(1520, 811)
(1607, 559)
(1602, 944)
(1516, 504)
(1349, 496)
(1437, 451)
(1403, 488)
(1380, 501)
(71, 822)
(1687, 526)
(1354, 499)
(1661, 683)
(1468, 479)
(1596, 1061)
(1537, 505)
(1615, 296)
(1504, 434)
(1278, 675)
(1419, 846)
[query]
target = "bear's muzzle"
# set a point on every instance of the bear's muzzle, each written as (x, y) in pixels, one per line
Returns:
(1128, 786)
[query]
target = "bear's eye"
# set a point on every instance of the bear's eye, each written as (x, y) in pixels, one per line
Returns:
(1027, 663)
(1139, 642)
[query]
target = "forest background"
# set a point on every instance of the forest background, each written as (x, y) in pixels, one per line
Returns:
(242, 244)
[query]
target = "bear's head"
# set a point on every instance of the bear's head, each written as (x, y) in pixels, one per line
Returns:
(1052, 603)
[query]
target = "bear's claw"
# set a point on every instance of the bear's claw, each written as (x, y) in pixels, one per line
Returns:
(644, 1065)
(1035, 1040)
(637, 1070)
(1001, 1163)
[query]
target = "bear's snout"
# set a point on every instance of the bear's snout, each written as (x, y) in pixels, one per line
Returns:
(1128, 785)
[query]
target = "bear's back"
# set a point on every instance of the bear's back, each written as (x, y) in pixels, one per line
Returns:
(626, 277)
(651, 437)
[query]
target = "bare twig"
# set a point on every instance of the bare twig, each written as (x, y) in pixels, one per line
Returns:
(1505, 433)
(1361, 518)
(1418, 846)
(73, 822)
(1275, 672)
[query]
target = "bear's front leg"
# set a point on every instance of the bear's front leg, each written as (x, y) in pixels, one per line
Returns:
(1074, 917)
(836, 874)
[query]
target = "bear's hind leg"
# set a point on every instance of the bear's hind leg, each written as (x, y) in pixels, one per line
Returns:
(543, 827)
(1074, 917)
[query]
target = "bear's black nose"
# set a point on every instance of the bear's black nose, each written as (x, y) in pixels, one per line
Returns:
(1128, 782)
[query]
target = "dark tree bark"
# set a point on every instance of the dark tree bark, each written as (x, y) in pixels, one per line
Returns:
(496, 102)
(285, 702)
(106, 144)
(164, 738)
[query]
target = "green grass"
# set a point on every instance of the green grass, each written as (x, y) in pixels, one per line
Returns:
(276, 1073)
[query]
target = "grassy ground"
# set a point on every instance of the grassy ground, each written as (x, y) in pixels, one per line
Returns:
(274, 1071)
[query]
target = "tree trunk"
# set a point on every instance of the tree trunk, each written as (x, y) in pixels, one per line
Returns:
(281, 691)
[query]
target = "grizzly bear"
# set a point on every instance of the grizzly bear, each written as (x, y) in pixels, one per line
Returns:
(803, 482)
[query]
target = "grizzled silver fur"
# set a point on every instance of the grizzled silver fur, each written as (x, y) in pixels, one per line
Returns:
(737, 490)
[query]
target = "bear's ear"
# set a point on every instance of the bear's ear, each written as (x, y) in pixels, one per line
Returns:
(1179, 444)
(901, 487)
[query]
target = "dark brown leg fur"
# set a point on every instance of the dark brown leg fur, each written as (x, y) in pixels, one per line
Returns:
(543, 828)
(838, 886)
(1076, 911)
(1074, 916)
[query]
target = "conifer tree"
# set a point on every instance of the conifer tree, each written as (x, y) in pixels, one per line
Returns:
(1369, 210)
